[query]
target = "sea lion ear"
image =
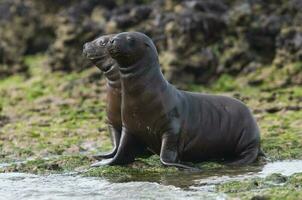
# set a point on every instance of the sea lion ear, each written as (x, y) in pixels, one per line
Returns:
(146, 43)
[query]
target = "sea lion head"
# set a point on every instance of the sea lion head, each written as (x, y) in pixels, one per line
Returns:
(96, 51)
(128, 48)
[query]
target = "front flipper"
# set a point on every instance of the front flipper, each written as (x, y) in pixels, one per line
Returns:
(102, 163)
(115, 137)
(169, 152)
(106, 155)
(128, 149)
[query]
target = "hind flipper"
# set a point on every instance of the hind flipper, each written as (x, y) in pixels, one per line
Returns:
(246, 157)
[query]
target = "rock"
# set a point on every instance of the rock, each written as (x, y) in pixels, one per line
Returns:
(65, 53)
(289, 44)
(4, 120)
(259, 197)
(273, 109)
(14, 38)
(198, 40)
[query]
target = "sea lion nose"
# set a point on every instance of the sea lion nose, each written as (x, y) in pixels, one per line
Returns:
(85, 47)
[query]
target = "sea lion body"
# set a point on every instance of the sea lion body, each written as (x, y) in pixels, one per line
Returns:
(208, 126)
(216, 127)
(96, 51)
(178, 125)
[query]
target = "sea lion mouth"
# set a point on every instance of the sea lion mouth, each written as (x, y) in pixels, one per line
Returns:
(92, 52)
(102, 62)
(94, 57)
(105, 66)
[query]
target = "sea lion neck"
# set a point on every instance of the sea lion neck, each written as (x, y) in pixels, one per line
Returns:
(138, 77)
(134, 70)
(113, 76)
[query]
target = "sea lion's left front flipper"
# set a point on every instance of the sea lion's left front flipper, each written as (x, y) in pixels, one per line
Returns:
(128, 149)
(115, 137)
(169, 152)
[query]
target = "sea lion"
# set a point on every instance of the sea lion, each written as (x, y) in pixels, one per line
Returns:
(96, 52)
(180, 126)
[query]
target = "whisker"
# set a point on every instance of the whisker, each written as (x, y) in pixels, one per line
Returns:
(96, 57)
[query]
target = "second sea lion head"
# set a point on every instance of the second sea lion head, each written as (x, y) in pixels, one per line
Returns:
(128, 48)
(96, 51)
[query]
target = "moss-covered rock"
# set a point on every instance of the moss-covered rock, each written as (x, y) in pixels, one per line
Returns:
(274, 187)
(198, 41)
(51, 165)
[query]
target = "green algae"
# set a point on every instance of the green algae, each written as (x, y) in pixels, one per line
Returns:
(225, 83)
(48, 119)
(60, 164)
(63, 115)
(141, 169)
(57, 112)
(275, 186)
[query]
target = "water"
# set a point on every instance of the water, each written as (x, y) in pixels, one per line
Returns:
(285, 168)
(183, 186)
(26, 186)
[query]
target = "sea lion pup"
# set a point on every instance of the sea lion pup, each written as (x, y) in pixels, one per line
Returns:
(180, 126)
(96, 52)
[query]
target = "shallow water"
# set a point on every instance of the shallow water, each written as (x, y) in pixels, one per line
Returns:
(26, 186)
(185, 185)
(286, 168)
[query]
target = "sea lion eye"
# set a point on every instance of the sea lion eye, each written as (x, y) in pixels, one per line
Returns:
(102, 42)
(146, 44)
